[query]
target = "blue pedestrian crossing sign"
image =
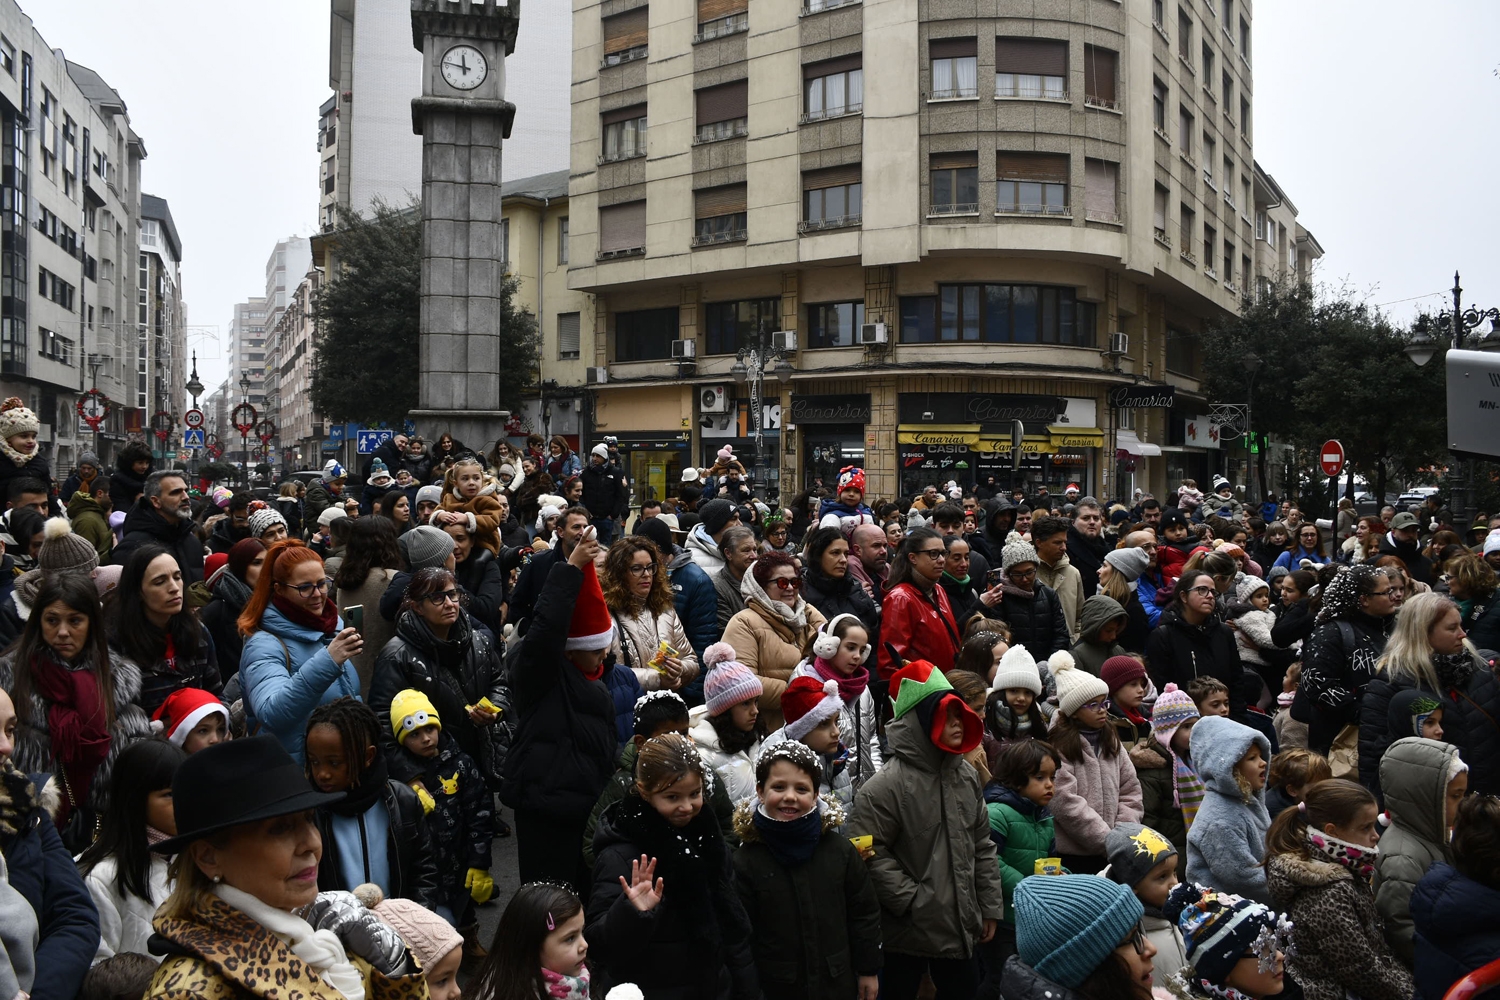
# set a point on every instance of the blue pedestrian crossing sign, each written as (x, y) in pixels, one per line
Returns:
(193, 437)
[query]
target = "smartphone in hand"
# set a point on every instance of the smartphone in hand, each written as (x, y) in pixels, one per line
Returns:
(354, 616)
(993, 578)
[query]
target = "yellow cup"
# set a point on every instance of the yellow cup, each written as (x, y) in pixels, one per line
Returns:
(863, 843)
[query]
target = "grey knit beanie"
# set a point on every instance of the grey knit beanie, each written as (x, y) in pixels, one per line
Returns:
(1017, 550)
(1129, 563)
(425, 546)
(63, 551)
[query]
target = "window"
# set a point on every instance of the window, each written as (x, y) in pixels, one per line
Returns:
(1208, 66)
(622, 229)
(1245, 272)
(954, 179)
(562, 240)
(1228, 19)
(722, 111)
(1158, 14)
(728, 326)
(646, 334)
(1185, 130)
(50, 286)
(505, 244)
(833, 88)
(1182, 352)
(1210, 242)
(625, 36)
(1227, 92)
(1229, 255)
(1244, 39)
(1186, 228)
(832, 198)
(1030, 67)
(1101, 183)
(1210, 148)
(1159, 105)
(1244, 193)
(721, 17)
(50, 345)
(567, 336)
(955, 68)
(7, 55)
(1227, 181)
(1031, 183)
(1004, 314)
(1099, 71)
(834, 324)
(720, 215)
(624, 133)
(1185, 37)
(1245, 117)
(1159, 213)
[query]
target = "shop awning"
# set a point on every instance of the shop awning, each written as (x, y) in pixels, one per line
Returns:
(959, 434)
(1127, 441)
(1076, 437)
(1030, 445)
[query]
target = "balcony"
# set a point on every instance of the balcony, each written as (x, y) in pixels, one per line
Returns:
(1162, 237)
(955, 94)
(604, 255)
(1231, 288)
(625, 56)
(1211, 273)
(621, 156)
(810, 7)
(720, 131)
(828, 114)
(720, 236)
(955, 209)
(1188, 258)
(720, 27)
(1108, 218)
(1161, 134)
(1024, 210)
(1103, 104)
(823, 225)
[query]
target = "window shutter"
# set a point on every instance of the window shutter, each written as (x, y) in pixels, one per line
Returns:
(723, 103)
(624, 114)
(843, 64)
(950, 161)
(832, 177)
(712, 10)
(949, 48)
(622, 227)
(1051, 168)
(1039, 56)
(1099, 67)
(626, 31)
(1159, 210)
(567, 334)
(726, 200)
(1101, 180)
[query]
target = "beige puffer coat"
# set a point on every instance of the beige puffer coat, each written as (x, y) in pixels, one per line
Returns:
(637, 638)
(771, 648)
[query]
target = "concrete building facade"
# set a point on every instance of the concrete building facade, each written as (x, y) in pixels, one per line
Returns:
(1026, 211)
(287, 264)
(161, 338)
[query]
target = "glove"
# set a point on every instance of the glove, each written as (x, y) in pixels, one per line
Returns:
(481, 887)
(361, 931)
(424, 797)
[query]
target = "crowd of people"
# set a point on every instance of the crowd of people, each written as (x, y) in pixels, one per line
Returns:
(959, 745)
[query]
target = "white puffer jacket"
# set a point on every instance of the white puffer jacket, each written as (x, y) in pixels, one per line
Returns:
(124, 920)
(736, 770)
(856, 725)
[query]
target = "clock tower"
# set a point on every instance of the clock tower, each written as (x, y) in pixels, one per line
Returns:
(463, 118)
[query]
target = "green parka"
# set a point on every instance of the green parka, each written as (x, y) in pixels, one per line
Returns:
(1414, 773)
(1022, 832)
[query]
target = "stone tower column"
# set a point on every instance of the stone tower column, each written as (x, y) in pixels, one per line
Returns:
(463, 119)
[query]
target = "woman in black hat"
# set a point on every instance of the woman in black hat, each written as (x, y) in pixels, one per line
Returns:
(245, 917)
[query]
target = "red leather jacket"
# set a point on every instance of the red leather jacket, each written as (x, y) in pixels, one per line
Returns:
(919, 626)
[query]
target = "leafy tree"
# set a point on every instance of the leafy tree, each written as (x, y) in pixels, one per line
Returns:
(366, 365)
(216, 471)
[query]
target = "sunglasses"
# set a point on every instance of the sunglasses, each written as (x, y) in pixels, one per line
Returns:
(787, 583)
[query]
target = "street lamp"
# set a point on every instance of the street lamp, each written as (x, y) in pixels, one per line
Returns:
(750, 365)
(194, 386)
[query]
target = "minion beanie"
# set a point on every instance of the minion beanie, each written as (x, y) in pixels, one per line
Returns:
(410, 711)
(921, 687)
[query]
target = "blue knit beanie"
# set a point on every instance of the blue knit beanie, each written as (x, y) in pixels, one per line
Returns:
(1066, 925)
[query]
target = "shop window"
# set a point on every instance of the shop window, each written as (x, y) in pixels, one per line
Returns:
(834, 324)
(646, 334)
(730, 326)
(1182, 352)
(999, 314)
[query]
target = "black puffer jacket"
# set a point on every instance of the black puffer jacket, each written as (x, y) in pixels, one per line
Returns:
(221, 617)
(1177, 652)
(999, 521)
(1293, 623)
(144, 525)
(1471, 722)
(1483, 621)
(480, 575)
(452, 674)
(564, 748)
(1338, 660)
(1038, 624)
(603, 490)
(408, 849)
(1087, 555)
(841, 596)
(1418, 565)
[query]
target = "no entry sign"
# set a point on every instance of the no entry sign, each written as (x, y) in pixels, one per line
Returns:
(1331, 458)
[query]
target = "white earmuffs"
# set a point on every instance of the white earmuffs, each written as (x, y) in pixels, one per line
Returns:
(825, 643)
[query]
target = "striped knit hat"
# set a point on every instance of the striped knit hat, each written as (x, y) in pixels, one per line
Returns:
(1174, 706)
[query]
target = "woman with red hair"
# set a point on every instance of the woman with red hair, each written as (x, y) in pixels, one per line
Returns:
(298, 654)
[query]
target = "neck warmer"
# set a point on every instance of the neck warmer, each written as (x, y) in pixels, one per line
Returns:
(791, 841)
(1359, 860)
(1090, 736)
(15, 456)
(321, 950)
(962, 581)
(155, 836)
(561, 987)
(1454, 669)
(1285, 699)
(77, 725)
(794, 616)
(327, 622)
(850, 687)
(1025, 593)
(359, 798)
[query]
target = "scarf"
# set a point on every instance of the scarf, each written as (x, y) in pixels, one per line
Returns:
(155, 836)
(1024, 593)
(326, 623)
(1285, 699)
(791, 841)
(961, 581)
(15, 456)
(359, 798)
(561, 987)
(850, 687)
(321, 950)
(1005, 724)
(77, 725)
(1454, 669)
(233, 591)
(1187, 787)
(1359, 860)
(794, 616)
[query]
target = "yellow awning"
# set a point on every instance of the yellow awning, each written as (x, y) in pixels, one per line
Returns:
(959, 434)
(1076, 437)
(1029, 445)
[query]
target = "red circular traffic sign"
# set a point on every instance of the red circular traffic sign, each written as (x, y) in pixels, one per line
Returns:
(193, 418)
(1331, 458)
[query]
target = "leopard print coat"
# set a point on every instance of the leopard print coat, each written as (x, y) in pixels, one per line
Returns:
(222, 954)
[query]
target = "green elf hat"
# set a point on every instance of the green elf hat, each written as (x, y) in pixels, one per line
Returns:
(921, 687)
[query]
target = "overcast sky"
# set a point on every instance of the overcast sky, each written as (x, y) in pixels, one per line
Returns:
(1377, 118)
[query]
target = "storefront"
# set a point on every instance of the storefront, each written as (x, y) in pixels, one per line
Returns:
(715, 430)
(656, 461)
(834, 434)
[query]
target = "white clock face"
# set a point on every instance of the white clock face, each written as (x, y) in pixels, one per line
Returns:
(464, 67)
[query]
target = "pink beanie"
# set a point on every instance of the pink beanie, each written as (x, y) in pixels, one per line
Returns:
(728, 682)
(428, 935)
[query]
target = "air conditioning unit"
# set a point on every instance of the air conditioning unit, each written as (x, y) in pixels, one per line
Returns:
(596, 376)
(784, 340)
(713, 399)
(873, 333)
(1119, 344)
(684, 349)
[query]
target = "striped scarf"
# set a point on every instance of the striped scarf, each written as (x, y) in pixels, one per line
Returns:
(1187, 789)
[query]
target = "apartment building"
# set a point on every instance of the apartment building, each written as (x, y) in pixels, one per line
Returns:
(286, 267)
(299, 428)
(1026, 211)
(161, 336)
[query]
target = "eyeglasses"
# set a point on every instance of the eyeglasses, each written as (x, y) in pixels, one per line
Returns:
(933, 553)
(1102, 705)
(787, 583)
(1381, 593)
(446, 597)
(1021, 574)
(1201, 591)
(647, 570)
(1137, 940)
(306, 590)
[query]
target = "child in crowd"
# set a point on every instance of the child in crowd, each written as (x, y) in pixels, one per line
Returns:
(1414, 712)
(1097, 785)
(657, 713)
(1171, 791)
(1227, 840)
(124, 977)
(839, 653)
(1235, 947)
(925, 804)
(810, 708)
(805, 890)
(663, 913)
(846, 510)
(432, 941)
(1021, 827)
(469, 499)
(1290, 773)
(1455, 908)
(1099, 624)
(539, 948)
(1177, 543)
(1145, 862)
(1319, 860)
(1014, 709)
(460, 809)
(1078, 936)
(727, 727)
(1189, 496)
(378, 832)
(1423, 782)
(1290, 734)
(1125, 676)
(1251, 619)
(1211, 695)
(974, 689)
(192, 718)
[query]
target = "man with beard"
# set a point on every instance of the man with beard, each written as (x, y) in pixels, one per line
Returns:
(163, 515)
(1402, 542)
(1086, 544)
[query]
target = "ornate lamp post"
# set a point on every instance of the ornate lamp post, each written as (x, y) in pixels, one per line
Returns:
(750, 365)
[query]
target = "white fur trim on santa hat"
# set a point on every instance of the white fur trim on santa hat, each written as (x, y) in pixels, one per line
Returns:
(828, 707)
(189, 722)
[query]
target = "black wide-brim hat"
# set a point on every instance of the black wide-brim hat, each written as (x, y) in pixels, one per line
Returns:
(238, 781)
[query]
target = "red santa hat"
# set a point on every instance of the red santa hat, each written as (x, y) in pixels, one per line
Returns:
(183, 710)
(852, 477)
(806, 702)
(592, 627)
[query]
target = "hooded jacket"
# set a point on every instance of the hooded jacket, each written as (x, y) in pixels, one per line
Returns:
(1456, 925)
(124, 485)
(481, 514)
(90, 522)
(319, 498)
(144, 525)
(935, 869)
(225, 535)
(1064, 578)
(1414, 773)
(704, 550)
(605, 493)
(1022, 832)
(1227, 841)
(286, 672)
(1089, 653)
(1471, 723)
